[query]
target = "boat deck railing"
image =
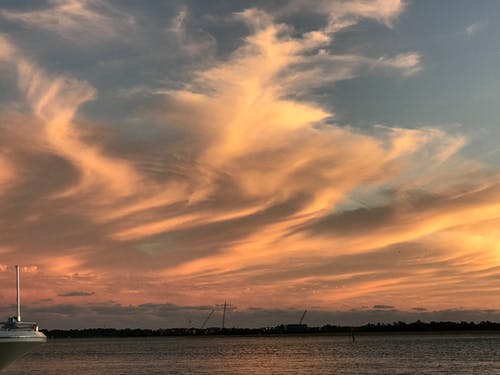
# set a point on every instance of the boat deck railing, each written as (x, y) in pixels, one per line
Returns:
(12, 324)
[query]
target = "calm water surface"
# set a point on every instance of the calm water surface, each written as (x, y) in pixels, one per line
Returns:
(449, 354)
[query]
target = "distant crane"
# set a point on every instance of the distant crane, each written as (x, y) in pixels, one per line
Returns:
(303, 316)
(207, 318)
(225, 307)
(298, 328)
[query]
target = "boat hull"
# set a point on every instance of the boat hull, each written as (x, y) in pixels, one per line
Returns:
(14, 348)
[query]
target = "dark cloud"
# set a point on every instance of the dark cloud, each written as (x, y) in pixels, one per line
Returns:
(419, 309)
(67, 316)
(62, 311)
(352, 222)
(383, 307)
(77, 294)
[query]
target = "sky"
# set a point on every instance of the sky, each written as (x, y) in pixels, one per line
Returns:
(335, 156)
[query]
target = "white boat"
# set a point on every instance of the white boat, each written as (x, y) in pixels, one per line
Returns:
(16, 336)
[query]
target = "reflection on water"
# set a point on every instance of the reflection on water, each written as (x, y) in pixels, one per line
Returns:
(414, 354)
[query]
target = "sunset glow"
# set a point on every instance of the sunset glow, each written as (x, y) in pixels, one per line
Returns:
(278, 156)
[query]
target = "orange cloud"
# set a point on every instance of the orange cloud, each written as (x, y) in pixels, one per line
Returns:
(55, 100)
(6, 49)
(6, 172)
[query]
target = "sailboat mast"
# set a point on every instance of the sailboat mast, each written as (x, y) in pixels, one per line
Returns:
(224, 316)
(18, 299)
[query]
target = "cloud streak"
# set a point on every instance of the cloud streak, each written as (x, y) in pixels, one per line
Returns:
(79, 20)
(76, 294)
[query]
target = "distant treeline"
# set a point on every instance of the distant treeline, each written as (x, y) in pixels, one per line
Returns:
(396, 327)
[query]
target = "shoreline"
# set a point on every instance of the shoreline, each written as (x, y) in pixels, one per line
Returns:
(434, 328)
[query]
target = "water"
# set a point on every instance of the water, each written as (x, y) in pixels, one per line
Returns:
(406, 354)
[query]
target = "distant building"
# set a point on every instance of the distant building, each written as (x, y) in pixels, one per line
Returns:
(296, 328)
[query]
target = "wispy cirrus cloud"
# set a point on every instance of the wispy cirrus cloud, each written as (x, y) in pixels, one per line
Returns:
(408, 63)
(342, 14)
(381, 10)
(192, 42)
(237, 180)
(473, 28)
(55, 99)
(82, 20)
(262, 126)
